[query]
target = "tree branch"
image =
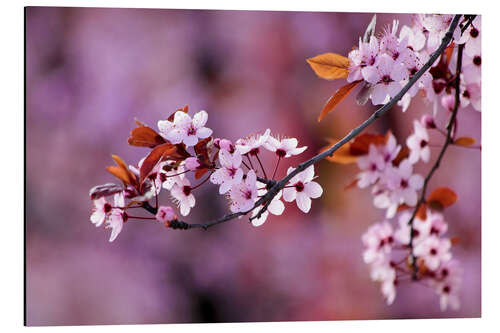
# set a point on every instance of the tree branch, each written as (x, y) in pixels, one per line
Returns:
(265, 200)
(448, 141)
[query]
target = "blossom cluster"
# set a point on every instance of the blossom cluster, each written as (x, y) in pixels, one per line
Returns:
(390, 250)
(387, 62)
(228, 164)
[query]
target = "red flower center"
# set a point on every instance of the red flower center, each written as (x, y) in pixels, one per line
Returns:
(299, 187)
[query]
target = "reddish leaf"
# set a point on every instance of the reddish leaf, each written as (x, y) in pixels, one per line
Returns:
(330, 66)
(145, 136)
(336, 98)
(465, 141)
(361, 144)
(455, 240)
(448, 52)
(122, 172)
(200, 172)
(422, 212)
(351, 185)
(442, 197)
(341, 155)
(158, 154)
(403, 153)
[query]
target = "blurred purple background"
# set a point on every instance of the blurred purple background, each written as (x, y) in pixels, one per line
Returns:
(91, 71)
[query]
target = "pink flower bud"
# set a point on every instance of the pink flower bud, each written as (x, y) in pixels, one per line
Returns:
(165, 214)
(428, 121)
(448, 102)
(192, 163)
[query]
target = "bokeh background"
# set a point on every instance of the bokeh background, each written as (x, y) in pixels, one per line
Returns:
(90, 72)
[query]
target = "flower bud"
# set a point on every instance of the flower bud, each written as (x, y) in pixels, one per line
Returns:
(448, 102)
(192, 163)
(165, 214)
(428, 121)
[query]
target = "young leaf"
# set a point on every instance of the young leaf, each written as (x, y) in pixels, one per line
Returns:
(465, 141)
(442, 197)
(145, 136)
(342, 155)
(336, 98)
(361, 144)
(330, 66)
(159, 153)
(122, 172)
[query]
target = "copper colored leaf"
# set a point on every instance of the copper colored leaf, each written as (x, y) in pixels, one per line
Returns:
(145, 136)
(351, 184)
(465, 141)
(336, 98)
(330, 66)
(455, 240)
(422, 212)
(442, 197)
(361, 144)
(200, 172)
(158, 154)
(403, 154)
(341, 155)
(403, 207)
(122, 172)
(448, 52)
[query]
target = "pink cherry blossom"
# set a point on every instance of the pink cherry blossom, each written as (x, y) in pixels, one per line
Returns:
(117, 217)
(421, 229)
(165, 214)
(224, 144)
(101, 209)
(447, 284)
(433, 251)
(252, 143)
(371, 165)
(243, 194)
(472, 37)
(364, 56)
(276, 207)
(414, 36)
(184, 129)
(181, 191)
(378, 241)
(171, 177)
(418, 143)
(284, 147)
(386, 77)
(229, 173)
(191, 163)
(471, 94)
(302, 188)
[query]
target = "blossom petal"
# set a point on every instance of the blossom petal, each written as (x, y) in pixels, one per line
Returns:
(200, 119)
(313, 190)
(303, 202)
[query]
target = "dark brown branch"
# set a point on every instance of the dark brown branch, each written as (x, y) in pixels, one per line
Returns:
(448, 141)
(280, 184)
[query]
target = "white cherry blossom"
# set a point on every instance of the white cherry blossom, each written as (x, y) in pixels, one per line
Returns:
(302, 188)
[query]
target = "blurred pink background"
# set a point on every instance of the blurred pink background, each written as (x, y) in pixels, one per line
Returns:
(90, 72)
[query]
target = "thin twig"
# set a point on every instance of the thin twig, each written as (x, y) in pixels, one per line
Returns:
(448, 141)
(280, 184)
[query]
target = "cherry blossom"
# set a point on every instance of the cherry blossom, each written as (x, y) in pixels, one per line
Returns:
(302, 188)
(372, 165)
(404, 184)
(252, 143)
(364, 56)
(433, 251)
(184, 129)
(284, 147)
(378, 241)
(276, 207)
(101, 209)
(447, 284)
(229, 173)
(243, 194)
(421, 229)
(181, 191)
(386, 77)
(117, 217)
(418, 143)
(165, 214)
(191, 163)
